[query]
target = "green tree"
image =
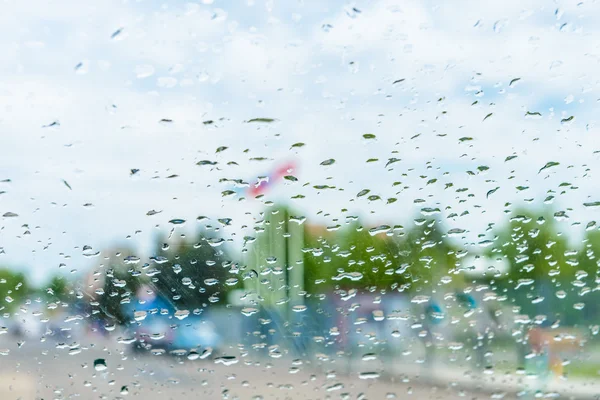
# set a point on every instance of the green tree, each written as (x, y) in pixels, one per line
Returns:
(534, 248)
(369, 255)
(59, 289)
(193, 273)
(541, 265)
(425, 255)
(366, 258)
(121, 279)
(583, 287)
(14, 289)
(320, 259)
(589, 255)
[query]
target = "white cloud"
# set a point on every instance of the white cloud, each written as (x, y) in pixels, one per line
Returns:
(326, 89)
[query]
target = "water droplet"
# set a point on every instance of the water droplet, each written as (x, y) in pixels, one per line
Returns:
(549, 164)
(206, 353)
(216, 242)
(420, 299)
(181, 314)
(379, 229)
(592, 204)
(369, 375)
(248, 311)
(115, 34)
(226, 360)
(456, 232)
(82, 67)
(353, 276)
(100, 364)
(567, 120)
(261, 120)
(211, 281)
(139, 315)
(231, 281)
(369, 357)
(334, 387)
(533, 115)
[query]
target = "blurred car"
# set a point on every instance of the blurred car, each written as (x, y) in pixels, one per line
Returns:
(157, 326)
(28, 322)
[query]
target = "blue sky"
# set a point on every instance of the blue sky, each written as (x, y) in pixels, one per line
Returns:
(233, 61)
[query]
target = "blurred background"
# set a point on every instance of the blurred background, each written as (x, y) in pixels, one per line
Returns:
(412, 299)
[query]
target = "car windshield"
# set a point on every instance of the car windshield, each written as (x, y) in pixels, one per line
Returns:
(299, 199)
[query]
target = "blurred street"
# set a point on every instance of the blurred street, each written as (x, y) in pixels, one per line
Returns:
(37, 371)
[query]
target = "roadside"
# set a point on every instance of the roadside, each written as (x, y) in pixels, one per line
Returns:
(498, 384)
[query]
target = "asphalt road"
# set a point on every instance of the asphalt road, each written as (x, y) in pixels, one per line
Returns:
(43, 371)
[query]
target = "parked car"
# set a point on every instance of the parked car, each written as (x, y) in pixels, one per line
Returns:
(159, 327)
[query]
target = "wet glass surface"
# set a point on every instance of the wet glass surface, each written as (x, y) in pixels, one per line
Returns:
(299, 200)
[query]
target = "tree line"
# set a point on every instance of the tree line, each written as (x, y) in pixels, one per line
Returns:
(546, 272)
